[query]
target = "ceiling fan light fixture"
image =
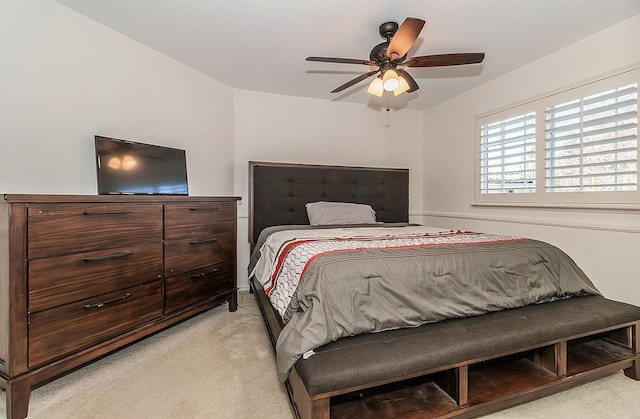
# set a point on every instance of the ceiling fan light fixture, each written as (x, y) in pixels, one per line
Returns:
(376, 87)
(402, 87)
(390, 80)
(389, 55)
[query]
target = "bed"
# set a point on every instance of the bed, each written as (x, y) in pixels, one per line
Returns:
(375, 348)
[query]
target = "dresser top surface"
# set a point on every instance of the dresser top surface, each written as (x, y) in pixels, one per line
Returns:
(38, 198)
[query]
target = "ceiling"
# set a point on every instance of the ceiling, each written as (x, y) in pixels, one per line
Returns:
(262, 45)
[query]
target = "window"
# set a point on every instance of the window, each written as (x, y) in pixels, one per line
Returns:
(579, 146)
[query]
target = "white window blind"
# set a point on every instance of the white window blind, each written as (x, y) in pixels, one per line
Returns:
(591, 143)
(508, 155)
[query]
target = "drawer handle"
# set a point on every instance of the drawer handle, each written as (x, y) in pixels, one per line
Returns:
(114, 212)
(113, 256)
(200, 275)
(113, 300)
(213, 239)
(204, 209)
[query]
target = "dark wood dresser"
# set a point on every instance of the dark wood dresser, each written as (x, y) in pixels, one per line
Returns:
(84, 275)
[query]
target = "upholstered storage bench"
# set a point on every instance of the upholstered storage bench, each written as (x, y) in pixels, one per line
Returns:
(469, 366)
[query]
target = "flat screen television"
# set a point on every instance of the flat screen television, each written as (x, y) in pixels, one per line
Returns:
(127, 167)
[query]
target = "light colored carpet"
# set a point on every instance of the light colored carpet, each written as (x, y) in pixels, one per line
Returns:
(220, 365)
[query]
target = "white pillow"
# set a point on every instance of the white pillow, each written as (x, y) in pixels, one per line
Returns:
(326, 213)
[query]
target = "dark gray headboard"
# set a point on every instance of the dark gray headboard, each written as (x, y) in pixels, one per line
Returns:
(278, 192)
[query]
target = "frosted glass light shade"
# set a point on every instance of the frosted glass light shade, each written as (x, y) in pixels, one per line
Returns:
(376, 87)
(403, 86)
(390, 80)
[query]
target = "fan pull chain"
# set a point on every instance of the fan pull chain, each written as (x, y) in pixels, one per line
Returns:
(388, 108)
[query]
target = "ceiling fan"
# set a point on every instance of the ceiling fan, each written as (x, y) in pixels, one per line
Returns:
(392, 53)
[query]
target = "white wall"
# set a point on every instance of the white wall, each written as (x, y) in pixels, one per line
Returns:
(606, 244)
(279, 128)
(65, 78)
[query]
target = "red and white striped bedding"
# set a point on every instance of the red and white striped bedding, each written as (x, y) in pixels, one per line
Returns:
(293, 251)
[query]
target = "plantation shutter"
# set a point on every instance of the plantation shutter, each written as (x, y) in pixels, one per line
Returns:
(591, 143)
(508, 154)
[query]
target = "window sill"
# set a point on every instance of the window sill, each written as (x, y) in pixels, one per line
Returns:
(562, 206)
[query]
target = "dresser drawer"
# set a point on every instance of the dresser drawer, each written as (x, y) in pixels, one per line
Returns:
(193, 253)
(74, 326)
(72, 228)
(198, 219)
(60, 280)
(191, 287)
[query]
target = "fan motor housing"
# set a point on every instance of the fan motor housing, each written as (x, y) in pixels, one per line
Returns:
(378, 53)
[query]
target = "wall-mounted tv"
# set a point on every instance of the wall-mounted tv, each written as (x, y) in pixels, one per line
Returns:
(127, 167)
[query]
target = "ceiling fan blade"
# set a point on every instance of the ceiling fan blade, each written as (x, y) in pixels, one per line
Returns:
(404, 38)
(444, 59)
(340, 60)
(413, 86)
(354, 81)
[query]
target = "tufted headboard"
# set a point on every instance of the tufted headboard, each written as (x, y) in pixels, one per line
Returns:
(278, 192)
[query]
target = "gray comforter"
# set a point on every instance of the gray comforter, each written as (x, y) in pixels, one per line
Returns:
(370, 290)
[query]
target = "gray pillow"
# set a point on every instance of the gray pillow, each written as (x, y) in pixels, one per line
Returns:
(325, 213)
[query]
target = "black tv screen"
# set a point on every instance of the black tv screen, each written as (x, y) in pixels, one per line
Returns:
(127, 167)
